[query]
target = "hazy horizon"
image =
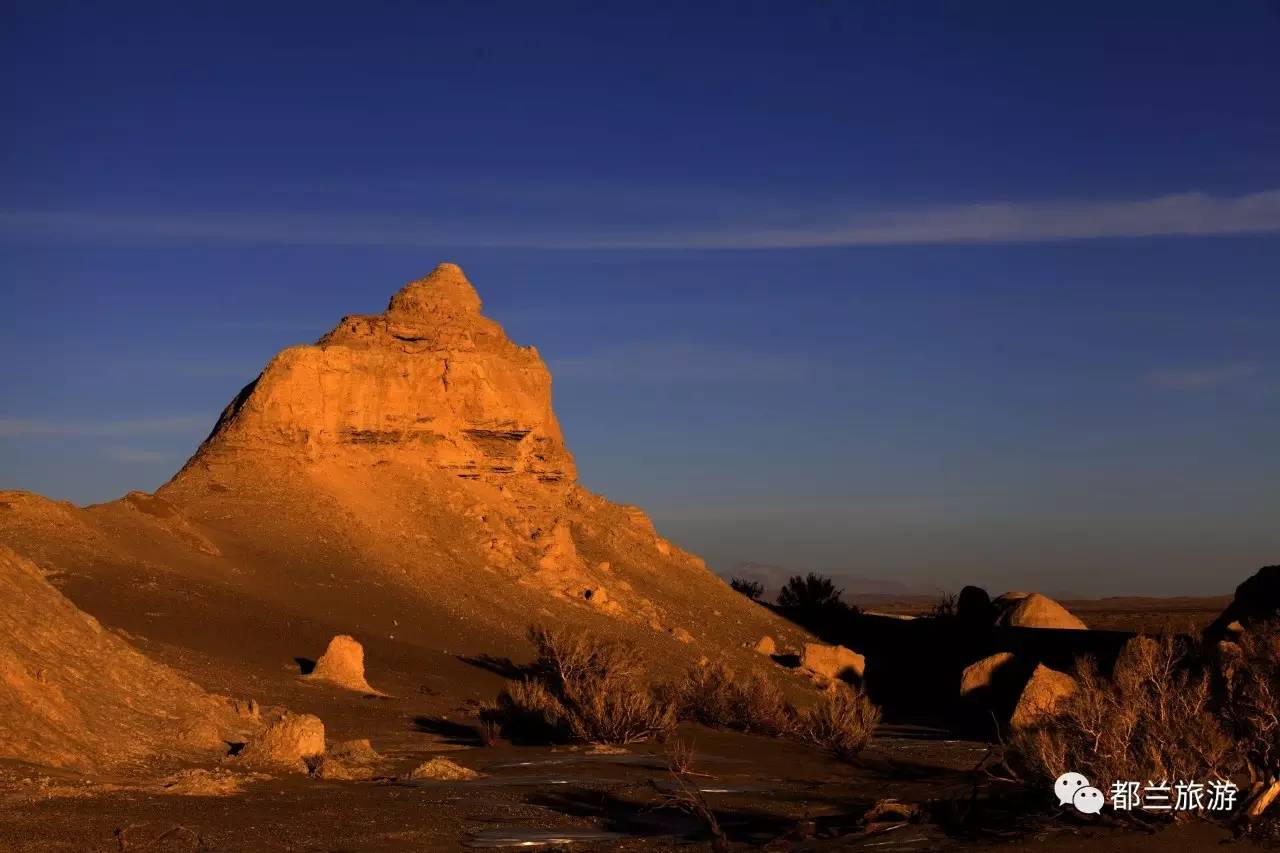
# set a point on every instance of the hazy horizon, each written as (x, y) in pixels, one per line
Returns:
(837, 291)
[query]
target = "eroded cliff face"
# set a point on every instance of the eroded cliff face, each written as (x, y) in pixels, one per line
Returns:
(403, 480)
(429, 382)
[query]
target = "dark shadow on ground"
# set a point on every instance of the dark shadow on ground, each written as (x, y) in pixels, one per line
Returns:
(504, 667)
(305, 665)
(452, 732)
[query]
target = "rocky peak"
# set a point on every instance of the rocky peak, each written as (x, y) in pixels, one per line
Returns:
(430, 381)
(443, 294)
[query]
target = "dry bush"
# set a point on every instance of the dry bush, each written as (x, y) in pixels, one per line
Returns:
(489, 731)
(530, 713)
(687, 795)
(1251, 707)
(842, 722)
(715, 696)
(1152, 720)
(584, 688)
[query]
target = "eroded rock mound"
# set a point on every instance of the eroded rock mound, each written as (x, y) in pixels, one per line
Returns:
(1036, 611)
(441, 770)
(349, 760)
(833, 662)
(1257, 599)
(75, 695)
(288, 742)
(343, 664)
(1041, 695)
(981, 677)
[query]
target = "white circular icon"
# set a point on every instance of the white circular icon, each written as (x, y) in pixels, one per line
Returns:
(1067, 785)
(1088, 800)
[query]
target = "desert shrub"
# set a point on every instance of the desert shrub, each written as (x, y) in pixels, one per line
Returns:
(751, 589)
(947, 607)
(842, 722)
(528, 712)
(1152, 720)
(1251, 704)
(716, 696)
(584, 688)
(812, 592)
(489, 730)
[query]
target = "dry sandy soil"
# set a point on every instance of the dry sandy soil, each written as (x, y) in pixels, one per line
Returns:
(404, 482)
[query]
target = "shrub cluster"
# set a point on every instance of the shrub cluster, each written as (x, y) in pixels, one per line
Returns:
(841, 722)
(1152, 720)
(1170, 711)
(582, 688)
(716, 696)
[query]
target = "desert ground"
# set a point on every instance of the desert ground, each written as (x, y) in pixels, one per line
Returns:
(168, 680)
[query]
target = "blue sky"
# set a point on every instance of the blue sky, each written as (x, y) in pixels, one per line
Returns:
(929, 292)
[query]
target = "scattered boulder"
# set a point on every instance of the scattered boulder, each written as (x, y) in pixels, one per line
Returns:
(1041, 695)
(218, 782)
(833, 662)
(980, 677)
(974, 608)
(766, 646)
(1257, 600)
(441, 770)
(288, 741)
(343, 664)
(348, 760)
(990, 688)
(1038, 611)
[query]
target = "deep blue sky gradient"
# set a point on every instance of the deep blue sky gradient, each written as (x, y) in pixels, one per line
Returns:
(937, 293)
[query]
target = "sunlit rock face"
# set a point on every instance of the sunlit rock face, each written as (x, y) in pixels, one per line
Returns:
(430, 381)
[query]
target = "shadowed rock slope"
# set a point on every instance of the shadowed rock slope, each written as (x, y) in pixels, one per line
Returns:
(75, 695)
(403, 480)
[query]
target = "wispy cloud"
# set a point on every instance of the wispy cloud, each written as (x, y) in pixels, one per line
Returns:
(135, 455)
(1203, 378)
(745, 226)
(22, 427)
(681, 363)
(836, 511)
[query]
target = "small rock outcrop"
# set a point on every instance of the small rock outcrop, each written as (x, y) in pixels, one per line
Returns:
(441, 770)
(348, 760)
(981, 677)
(1037, 611)
(766, 646)
(1041, 695)
(1257, 600)
(974, 609)
(833, 662)
(343, 664)
(288, 742)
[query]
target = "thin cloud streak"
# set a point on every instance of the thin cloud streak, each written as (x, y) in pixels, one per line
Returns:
(1203, 378)
(1181, 214)
(27, 428)
(682, 363)
(133, 455)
